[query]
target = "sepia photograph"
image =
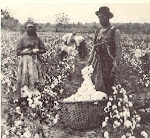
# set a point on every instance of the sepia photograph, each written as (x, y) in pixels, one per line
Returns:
(75, 68)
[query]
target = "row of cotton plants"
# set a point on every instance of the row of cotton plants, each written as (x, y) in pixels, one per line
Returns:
(121, 116)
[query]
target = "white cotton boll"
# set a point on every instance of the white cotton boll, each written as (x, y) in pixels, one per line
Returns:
(138, 53)
(130, 96)
(118, 86)
(128, 113)
(125, 98)
(33, 105)
(128, 134)
(119, 103)
(115, 91)
(133, 124)
(30, 101)
(146, 84)
(104, 124)
(128, 123)
(56, 119)
(27, 134)
(114, 107)
(144, 134)
(37, 93)
(106, 119)
(36, 136)
(116, 124)
(55, 82)
(106, 134)
(138, 125)
(138, 118)
(123, 91)
(121, 114)
(52, 86)
(123, 136)
(110, 99)
(18, 108)
(106, 109)
(108, 104)
(117, 116)
(130, 104)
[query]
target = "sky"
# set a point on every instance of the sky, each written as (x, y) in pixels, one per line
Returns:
(44, 11)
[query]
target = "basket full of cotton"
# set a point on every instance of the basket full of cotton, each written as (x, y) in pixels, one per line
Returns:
(85, 108)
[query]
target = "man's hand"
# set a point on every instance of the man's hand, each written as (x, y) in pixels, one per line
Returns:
(115, 64)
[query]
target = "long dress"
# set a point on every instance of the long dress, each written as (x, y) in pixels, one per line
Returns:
(29, 69)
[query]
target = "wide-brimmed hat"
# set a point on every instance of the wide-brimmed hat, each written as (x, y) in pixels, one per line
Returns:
(105, 10)
(28, 24)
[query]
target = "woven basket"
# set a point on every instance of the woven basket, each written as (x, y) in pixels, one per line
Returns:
(83, 115)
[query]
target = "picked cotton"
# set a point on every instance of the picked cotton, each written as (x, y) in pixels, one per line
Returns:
(138, 53)
(87, 90)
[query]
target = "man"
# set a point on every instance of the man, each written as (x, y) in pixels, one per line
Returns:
(106, 53)
(66, 46)
(80, 46)
(67, 38)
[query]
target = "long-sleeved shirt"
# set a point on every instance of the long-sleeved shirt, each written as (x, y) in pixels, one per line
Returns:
(78, 40)
(118, 51)
(29, 42)
(67, 38)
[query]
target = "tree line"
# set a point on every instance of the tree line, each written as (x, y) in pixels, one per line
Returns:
(63, 25)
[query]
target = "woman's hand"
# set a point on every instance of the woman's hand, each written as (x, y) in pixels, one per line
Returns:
(35, 50)
(26, 50)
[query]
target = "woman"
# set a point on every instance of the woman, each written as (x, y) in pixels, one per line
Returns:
(29, 47)
(106, 53)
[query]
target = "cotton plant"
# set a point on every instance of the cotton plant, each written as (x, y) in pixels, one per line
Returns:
(38, 107)
(135, 63)
(120, 114)
(19, 128)
(145, 80)
(87, 90)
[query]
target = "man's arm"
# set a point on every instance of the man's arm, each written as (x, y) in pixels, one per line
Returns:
(69, 38)
(91, 56)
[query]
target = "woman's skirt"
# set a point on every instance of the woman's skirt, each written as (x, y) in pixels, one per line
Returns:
(30, 72)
